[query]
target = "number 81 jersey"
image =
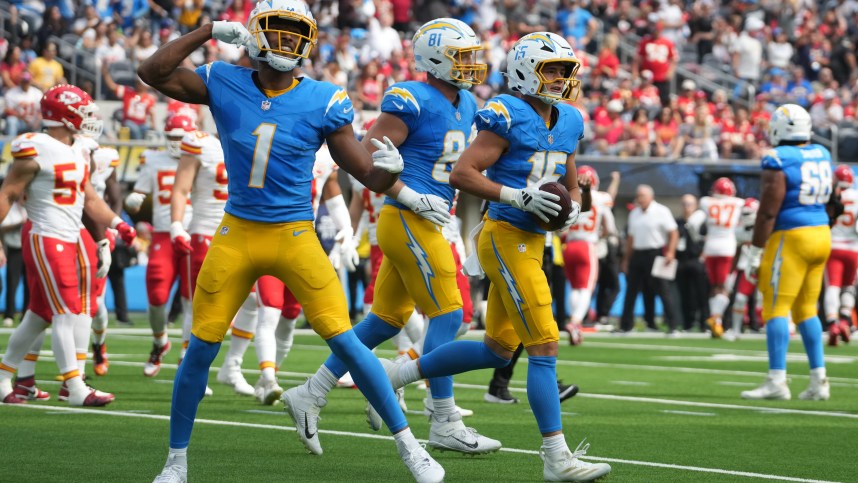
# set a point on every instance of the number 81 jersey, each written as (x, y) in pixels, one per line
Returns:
(808, 173)
(438, 132)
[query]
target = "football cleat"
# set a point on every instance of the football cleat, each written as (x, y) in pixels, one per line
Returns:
(566, 391)
(153, 366)
(499, 395)
(172, 474)
(845, 330)
(26, 389)
(817, 390)
(267, 392)
(453, 435)
(99, 359)
(11, 398)
(208, 392)
(576, 336)
(420, 464)
(715, 327)
(769, 390)
(8, 322)
(304, 410)
(730, 335)
(230, 375)
(568, 466)
(429, 409)
(92, 397)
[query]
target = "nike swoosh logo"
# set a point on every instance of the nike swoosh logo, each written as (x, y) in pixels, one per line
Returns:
(485, 119)
(398, 105)
(298, 232)
(347, 110)
(307, 425)
(469, 445)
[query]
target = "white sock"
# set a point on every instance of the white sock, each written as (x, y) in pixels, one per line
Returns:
(580, 304)
(99, 322)
(178, 457)
(82, 329)
(22, 340)
(63, 343)
(554, 444)
(831, 303)
(463, 329)
(777, 375)
(739, 304)
(266, 346)
(414, 327)
(402, 341)
(405, 438)
(818, 373)
(77, 390)
(717, 304)
(443, 408)
(158, 322)
(28, 365)
(408, 373)
(847, 302)
(322, 382)
(187, 319)
(284, 336)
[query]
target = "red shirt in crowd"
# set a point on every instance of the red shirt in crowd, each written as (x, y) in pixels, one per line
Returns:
(656, 56)
(135, 106)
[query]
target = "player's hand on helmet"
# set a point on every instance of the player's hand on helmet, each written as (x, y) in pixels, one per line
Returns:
(180, 238)
(429, 206)
(348, 248)
(755, 258)
(533, 200)
(387, 157)
(126, 232)
(573, 215)
(134, 201)
(104, 258)
(231, 32)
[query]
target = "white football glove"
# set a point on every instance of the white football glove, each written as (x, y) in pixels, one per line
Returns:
(134, 200)
(429, 206)
(348, 249)
(104, 258)
(755, 258)
(573, 215)
(532, 199)
(387, 157)
(231, 32)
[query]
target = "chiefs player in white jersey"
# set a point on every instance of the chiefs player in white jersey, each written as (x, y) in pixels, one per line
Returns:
(580, 258)
(723, 210)
(156, 177)
(842, 264)
(745, 288)
(52, 175)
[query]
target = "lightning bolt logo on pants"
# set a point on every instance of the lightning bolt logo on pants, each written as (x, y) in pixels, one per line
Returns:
(422, 259)
(511, 285)
(776, 270)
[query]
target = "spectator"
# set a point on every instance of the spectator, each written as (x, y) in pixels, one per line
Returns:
(685, 101)
(346, 55)
(673, 20)
(46, 70)
(799, 88)
(53, 24)
(402, 15)
(22, 107)
(138, 113)
(658, 55)
(333, 74)
(577, 22)
(646, 94)
(843, 63)
(12, 67)
(190, 14)
(702, 29)
(777, 86)
(666, 140)
(142, 45)
(89, 20)
(651, 231)
(737, 135)
(826, 113)
(132, 14)
(111, 51)
(28, 55)
(382, 39)
(237, 11)
(747, 52)
(691, 274)
(639, 134)
(699, 137)
(370, 86)
(10, 230)
(780, 50)
(608, 63)
(608, 130)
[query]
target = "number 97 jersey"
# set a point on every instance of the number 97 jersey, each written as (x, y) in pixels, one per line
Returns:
(438, 132)
(808, 173)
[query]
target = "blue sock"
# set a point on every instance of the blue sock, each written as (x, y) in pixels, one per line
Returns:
(811, 335)
(371, 331)
(542, 392)
(370, 378)
(188, 389)
(442, 329)
(459, 356)
(777, 341)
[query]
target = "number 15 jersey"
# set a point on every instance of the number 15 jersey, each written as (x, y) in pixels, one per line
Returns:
(270, 144)
(808, 184)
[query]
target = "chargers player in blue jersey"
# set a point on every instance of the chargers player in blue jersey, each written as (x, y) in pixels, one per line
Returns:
(523, 141)
(790, 247)
(430, 122)
(271, 125)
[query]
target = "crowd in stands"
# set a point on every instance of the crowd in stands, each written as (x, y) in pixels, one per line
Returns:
(639, 59)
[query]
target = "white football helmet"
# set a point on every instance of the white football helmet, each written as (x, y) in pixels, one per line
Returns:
(789, 122)
(530, 54)
(448, 49)
(268, 25)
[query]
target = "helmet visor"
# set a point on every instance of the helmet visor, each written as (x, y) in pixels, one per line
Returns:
(468, 65)
(283, 33)
(557, 79)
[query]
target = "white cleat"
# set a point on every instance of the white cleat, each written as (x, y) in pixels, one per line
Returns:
(817, 390)
(421, 465)
(429, 409)
(267, 392)
(568, 467)
(730, 335)
(769, 390)
(346, 381)
(208, 392)
(373, 419)
(453, 435)
(304, 410)
(172, 474)
(230, 375)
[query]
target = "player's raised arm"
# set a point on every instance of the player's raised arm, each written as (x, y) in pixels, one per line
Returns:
(161, 70)
(377, 171)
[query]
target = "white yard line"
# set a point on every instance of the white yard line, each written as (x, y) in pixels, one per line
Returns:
(128, 414)
(687, 413)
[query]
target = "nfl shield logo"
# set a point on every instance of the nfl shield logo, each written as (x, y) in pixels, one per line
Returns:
(266, 105)
(550, 139)
(522, 248)
(224, 230)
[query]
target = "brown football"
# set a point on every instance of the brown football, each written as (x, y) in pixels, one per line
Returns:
(565, 202)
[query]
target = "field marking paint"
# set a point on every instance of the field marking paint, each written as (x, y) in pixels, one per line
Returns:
(630, 383)
(216, 422)
(687, 413)
(737, 383)
(725, 357)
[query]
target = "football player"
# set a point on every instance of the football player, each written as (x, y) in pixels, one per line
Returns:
(431, 121)
(166, 265)
(522, 141)
(745, 288)
(723, 210)
(790, 247)
(274, 123)
(51, 173)
(842, 264)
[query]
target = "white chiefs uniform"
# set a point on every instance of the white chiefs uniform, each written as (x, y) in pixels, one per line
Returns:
(589, 224)
(104, 161)
(843, 233)
(722, 221)
(372, 203)
(209, 193)
(157, 175)
(323, 168)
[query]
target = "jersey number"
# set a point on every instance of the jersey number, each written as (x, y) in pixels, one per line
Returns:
(264, 139)
(815, 183)
(221, 180)
(66, 190)
(454, 144)
(847, 219)
(545, 165)
(587, 221)
(165, 186)
(716, 212)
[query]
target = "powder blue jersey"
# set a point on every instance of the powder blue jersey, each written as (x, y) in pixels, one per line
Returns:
(808, 184)
(438, 132)
(535, 152)
(270, 144)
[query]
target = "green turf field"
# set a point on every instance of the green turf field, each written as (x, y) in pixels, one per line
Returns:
(656, 409)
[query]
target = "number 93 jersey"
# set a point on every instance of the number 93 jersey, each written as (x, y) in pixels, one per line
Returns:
(808, 175)
(535, 152)
(270, 144)
(438, 132)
